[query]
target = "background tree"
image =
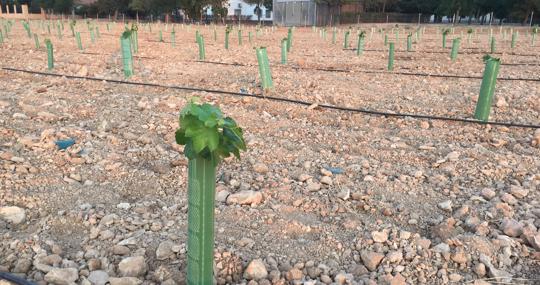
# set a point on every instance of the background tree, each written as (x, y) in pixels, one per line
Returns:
(139, 6)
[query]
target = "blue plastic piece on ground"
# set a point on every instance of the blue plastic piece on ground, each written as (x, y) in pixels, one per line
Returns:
(335, 170)
(63, 144)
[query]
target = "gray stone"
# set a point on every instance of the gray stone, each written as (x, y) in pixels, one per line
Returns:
(164, 250)
(98, 277)
(511, 227)
(446, 205)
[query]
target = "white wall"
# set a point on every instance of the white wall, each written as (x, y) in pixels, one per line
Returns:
(247, 10)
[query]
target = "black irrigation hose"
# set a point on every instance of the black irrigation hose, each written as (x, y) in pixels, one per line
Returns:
(282, 66)
(272, 98)
(382, 72)
(444, 52)
(14, 279)
(363, 71)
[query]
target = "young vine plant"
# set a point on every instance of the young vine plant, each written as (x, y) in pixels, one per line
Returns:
(206, 133)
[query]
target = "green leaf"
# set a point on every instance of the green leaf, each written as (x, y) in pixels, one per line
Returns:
(188, 150)
(181, 137)
(205, 137)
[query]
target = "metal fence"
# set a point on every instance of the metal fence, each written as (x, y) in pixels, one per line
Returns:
(294, 13)
(303, 13)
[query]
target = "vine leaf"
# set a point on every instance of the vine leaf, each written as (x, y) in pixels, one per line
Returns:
(206, 133)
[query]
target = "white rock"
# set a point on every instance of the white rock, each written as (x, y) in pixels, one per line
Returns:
(124, 206)
(12, 214)
(62, 276)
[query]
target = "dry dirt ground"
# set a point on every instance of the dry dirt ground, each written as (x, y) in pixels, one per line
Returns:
(320, 197)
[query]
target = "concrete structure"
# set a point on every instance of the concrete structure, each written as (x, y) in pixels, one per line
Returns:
(240, 9)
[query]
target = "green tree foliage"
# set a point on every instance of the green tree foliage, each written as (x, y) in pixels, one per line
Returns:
(193, 9)
(58, 6)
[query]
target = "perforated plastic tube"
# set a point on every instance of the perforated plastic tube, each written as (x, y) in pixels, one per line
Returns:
(127, 55)
(487, 89)
(50, 55)
(200, 245)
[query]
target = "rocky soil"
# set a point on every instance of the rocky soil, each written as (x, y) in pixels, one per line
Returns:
(320, 197)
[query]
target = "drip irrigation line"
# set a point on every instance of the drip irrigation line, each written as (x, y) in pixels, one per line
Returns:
(278, 99)
(447, 75)
(281, 66)
(14, 279)
(103, 54)
(381, 72)
(445, 52)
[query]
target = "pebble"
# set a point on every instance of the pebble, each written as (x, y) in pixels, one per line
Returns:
(13, 214)
(371, 259)
(394, 256)
(246, 197)
(344, 194)
(165, 250)
(454, 277)
(294, 274)
(120, 250)
(62, 276)
(256, 270)
(313, 187)
(222, 196)
(124, 281)
(488, 193)
(511, 227)
(23, 265)
(98, 277)
(379, 236)
(260, 168)
(326, 180)
(459, 257)
(480, 269)
(442, 248)
(508, 198)
(132, 266)
(446, 205)
(123, 206)
(519, 192)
